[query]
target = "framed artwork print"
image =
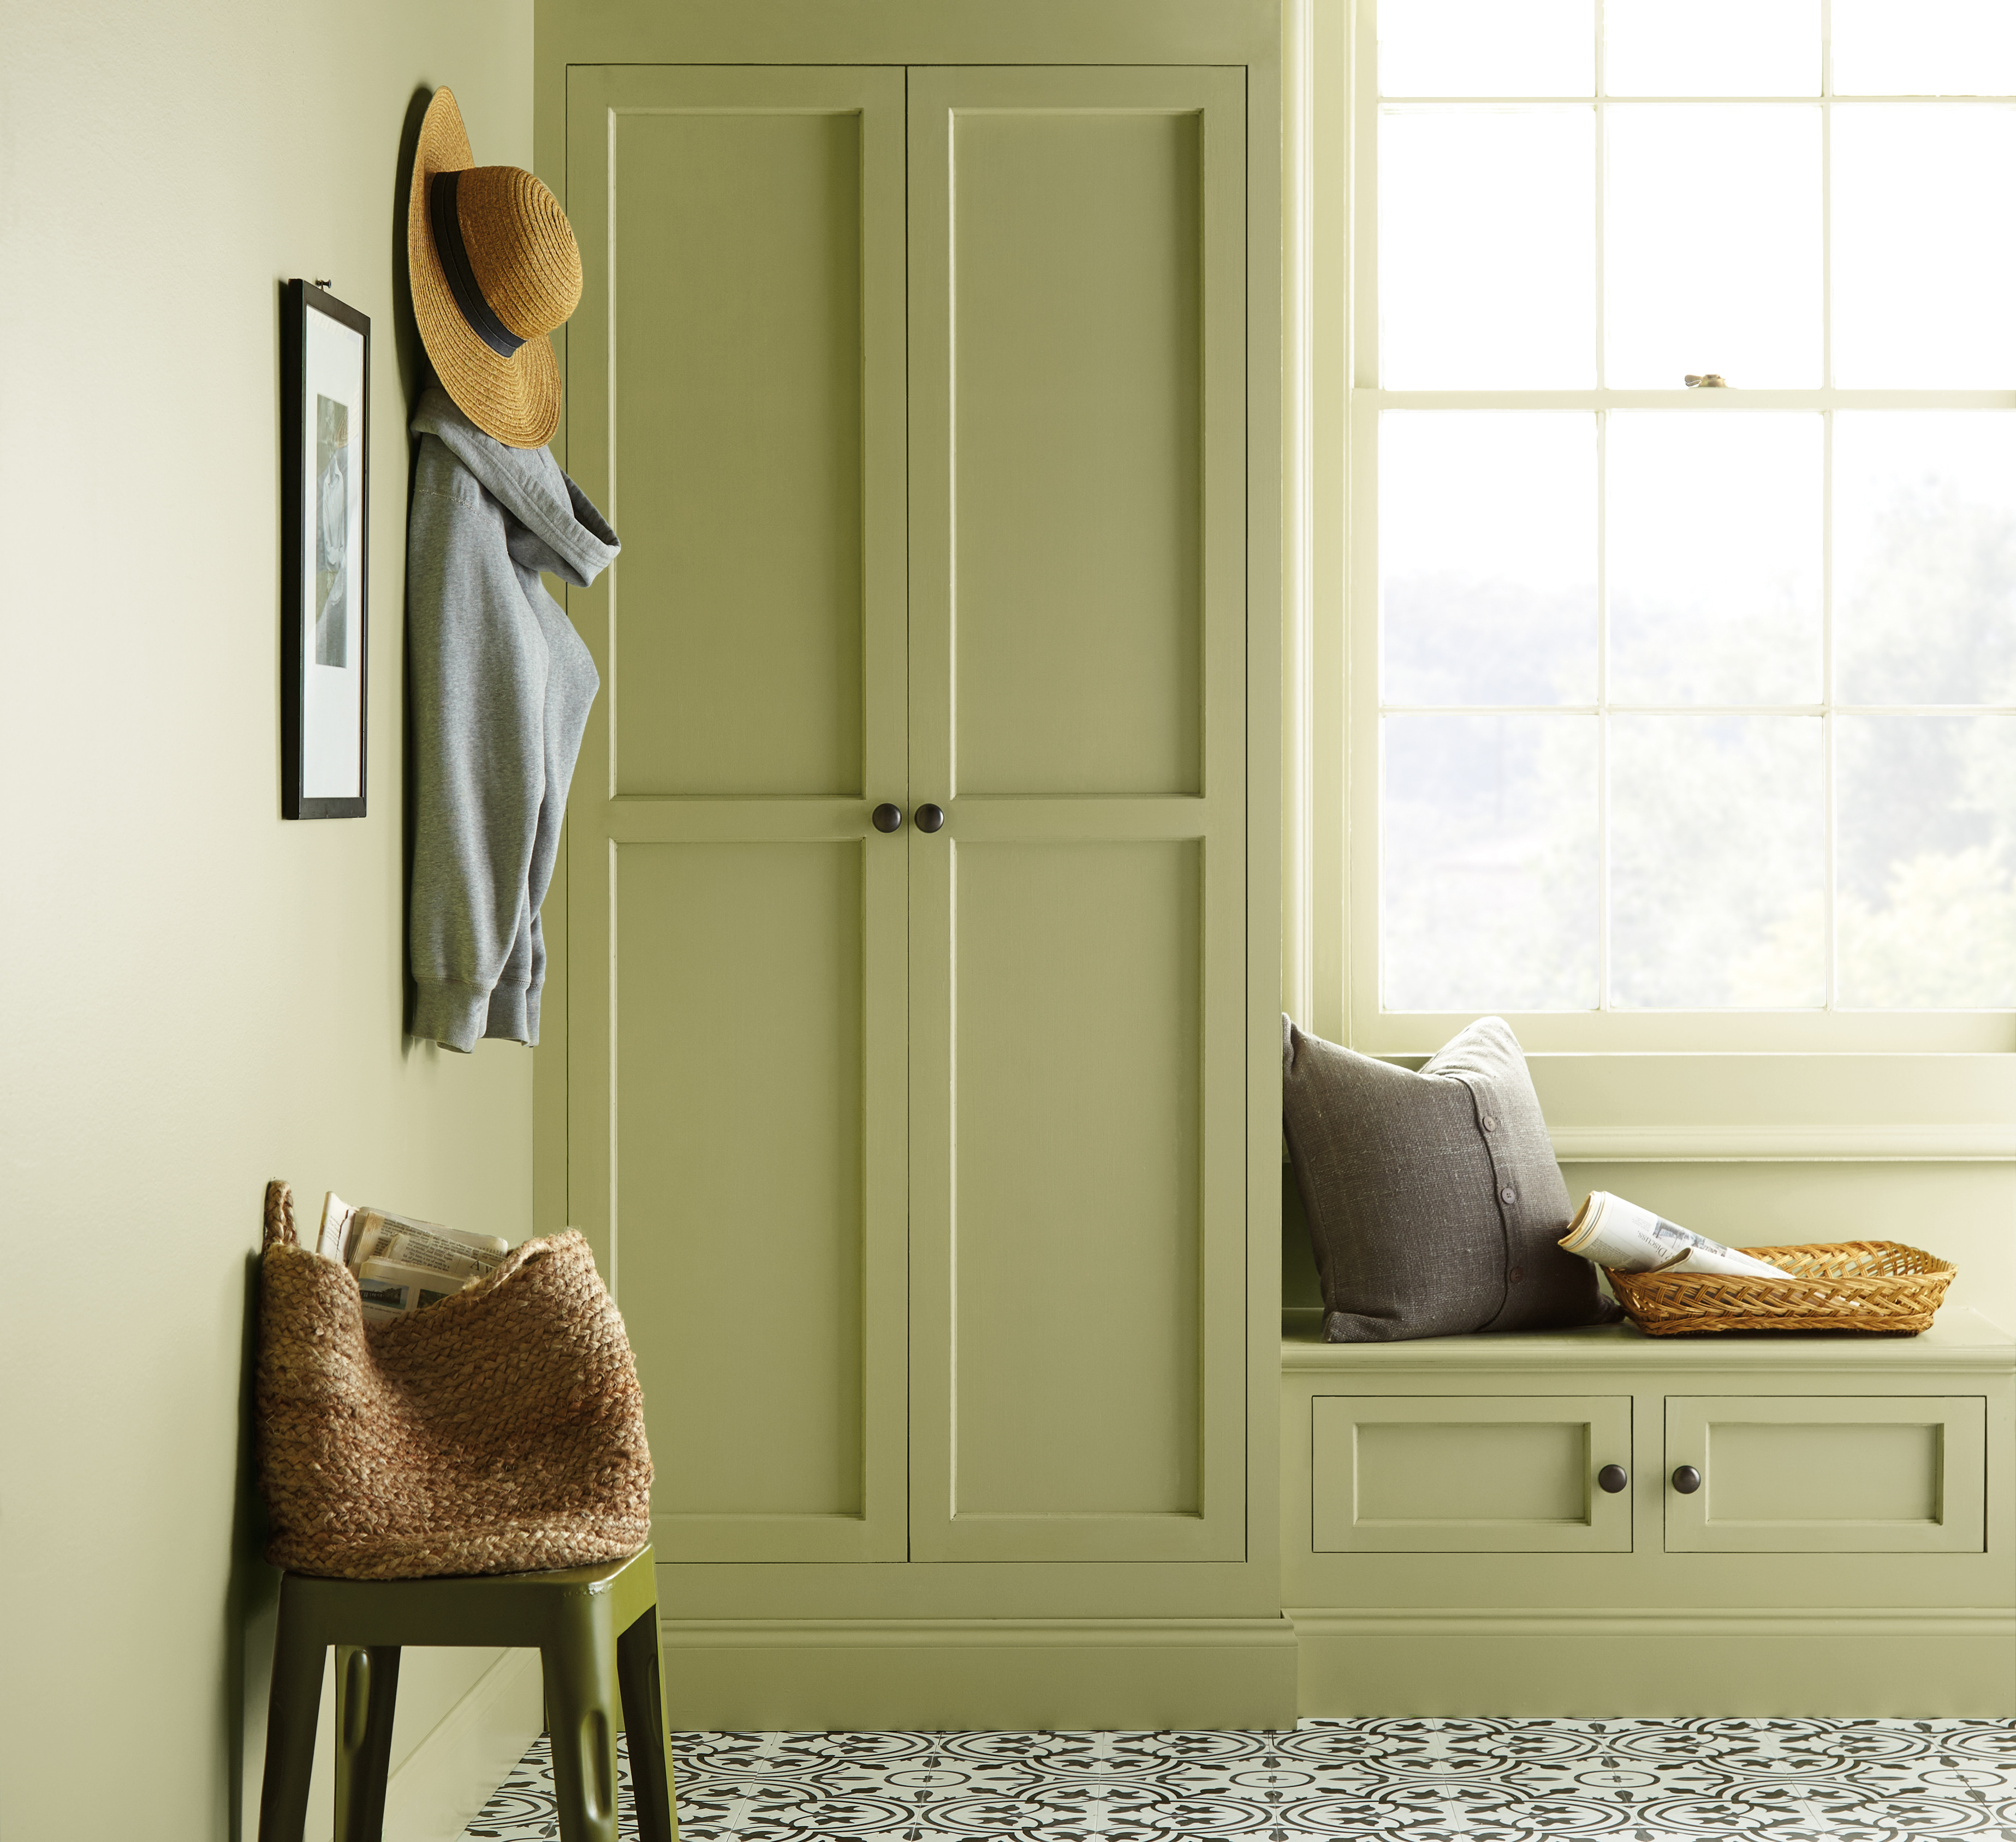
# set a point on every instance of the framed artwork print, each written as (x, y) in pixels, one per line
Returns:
(325, 492)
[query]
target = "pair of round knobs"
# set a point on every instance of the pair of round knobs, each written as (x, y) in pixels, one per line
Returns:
(887, 818)
(1613, 1478)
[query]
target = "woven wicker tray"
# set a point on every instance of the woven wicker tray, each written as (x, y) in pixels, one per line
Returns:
(1879, 1285)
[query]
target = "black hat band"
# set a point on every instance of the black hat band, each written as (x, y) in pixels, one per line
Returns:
(447, 222)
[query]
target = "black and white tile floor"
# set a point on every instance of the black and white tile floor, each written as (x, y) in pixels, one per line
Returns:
(1400, 1780)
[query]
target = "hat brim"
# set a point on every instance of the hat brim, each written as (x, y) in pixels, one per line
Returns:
(516, 399)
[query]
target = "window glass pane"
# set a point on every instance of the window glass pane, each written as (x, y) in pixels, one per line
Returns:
(1924, 47)
(1718, 862)
(1486, 47)
(1488, 889)
(1712, 48)
(1711, 245)
(1487, 248)
(1487, 557)
(1925, 556)
(1924, 270)
(1714, 557)
(1925, 822)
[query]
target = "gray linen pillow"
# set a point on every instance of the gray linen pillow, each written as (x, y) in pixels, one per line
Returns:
(1435, 1202)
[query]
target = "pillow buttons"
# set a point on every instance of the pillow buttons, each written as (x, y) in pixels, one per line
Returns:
(1508, 1194)
(1490, 1123)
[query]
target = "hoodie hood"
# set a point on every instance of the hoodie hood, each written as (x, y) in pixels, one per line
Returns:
(558, 527)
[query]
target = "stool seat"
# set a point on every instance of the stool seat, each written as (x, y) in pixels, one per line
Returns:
(595, 1629)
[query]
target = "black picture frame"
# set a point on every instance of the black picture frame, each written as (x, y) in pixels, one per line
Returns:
(324, 346)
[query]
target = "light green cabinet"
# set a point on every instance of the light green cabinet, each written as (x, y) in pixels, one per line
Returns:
(1853, 1474)
(737, 1045)
(1846, 1549)
(1469, 1473)
(918, 1161)
(1077, 941)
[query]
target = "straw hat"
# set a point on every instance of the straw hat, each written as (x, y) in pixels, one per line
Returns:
(495, 269)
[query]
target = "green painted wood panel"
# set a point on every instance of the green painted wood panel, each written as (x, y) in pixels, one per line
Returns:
(1075, 1293)
(1855, 1474)
(1078, 948)
(748, 958)
(738, 342)
(1077, 275)
(1469, 1473)
(737, 1050)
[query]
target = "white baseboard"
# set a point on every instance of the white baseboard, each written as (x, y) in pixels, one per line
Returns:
(448, 1777)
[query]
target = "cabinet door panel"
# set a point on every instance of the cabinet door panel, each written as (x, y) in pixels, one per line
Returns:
(1828, 1474)
(1076, 1291)
(749, 957)
(1467, 1474)
(1078, 265)
(1078, 633)
(738, 339)
(737, 1050)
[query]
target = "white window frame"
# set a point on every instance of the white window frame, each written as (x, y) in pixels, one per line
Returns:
(1648, 1084)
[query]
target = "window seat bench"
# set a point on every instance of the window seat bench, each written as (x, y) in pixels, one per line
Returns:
(1599, 1523)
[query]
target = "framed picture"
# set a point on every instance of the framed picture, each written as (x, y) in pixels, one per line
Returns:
(325, 496)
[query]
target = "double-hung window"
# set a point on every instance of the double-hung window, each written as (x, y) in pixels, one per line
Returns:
(1680, 666)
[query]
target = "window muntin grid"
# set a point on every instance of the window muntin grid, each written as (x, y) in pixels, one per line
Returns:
(1613, 718)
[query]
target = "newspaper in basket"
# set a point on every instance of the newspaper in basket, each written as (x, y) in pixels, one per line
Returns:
(1612, 1232)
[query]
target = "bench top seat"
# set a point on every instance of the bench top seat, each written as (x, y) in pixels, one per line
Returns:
(1959, 1339)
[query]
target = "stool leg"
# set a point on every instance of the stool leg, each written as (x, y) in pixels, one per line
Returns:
(641, 1671)
(367, 1691)
(578, 1663)
(291, 1712)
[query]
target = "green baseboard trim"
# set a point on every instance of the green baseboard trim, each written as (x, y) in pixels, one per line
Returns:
(932, 1675)
(1644, 1621)
(1908, 1662)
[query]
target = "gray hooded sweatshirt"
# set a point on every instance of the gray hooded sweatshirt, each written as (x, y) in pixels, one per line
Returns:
(501, 686)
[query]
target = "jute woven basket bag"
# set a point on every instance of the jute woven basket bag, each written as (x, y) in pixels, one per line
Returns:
(499, 1431)
(1881, 1286)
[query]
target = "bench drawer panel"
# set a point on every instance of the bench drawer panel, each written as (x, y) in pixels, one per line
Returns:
(1469, 1473)
(1836, 1474)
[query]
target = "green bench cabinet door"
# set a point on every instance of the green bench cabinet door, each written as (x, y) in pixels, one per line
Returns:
(737, 1049)
(1454, 1474)
(1835, 1474)
(1078, 625)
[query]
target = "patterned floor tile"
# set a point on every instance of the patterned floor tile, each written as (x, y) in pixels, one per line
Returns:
(1399, 1780)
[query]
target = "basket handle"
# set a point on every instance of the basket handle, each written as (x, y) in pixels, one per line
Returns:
(279, 1215)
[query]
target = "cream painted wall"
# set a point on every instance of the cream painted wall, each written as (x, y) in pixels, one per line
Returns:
(197, 995)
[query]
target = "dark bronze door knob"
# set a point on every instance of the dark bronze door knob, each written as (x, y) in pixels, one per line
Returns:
(930, 817)
(887, 818)
(1686, 1480)
(1612, 1478)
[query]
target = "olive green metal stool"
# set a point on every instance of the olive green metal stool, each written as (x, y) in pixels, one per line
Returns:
(589, 1625)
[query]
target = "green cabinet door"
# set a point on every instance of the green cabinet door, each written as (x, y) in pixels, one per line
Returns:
(737, 1049)
(1455, 1473)
(1827, 1474)
(1077, 934)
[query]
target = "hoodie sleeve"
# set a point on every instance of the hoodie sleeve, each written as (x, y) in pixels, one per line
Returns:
(478, 667)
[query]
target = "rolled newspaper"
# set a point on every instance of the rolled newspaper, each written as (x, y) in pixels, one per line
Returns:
(402, 1264)
(388, 1289)
(1610, 1232)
